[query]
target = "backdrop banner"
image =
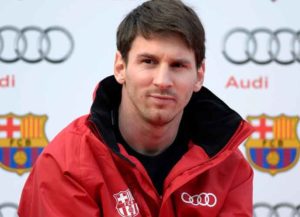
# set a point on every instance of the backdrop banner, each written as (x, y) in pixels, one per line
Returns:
(53, 54)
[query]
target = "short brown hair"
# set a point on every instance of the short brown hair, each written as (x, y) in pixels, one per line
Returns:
(159, 17)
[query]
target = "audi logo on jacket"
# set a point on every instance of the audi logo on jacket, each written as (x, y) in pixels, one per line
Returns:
(84, 172)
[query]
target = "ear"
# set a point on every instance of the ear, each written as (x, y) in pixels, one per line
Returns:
(119, 68)
(200, 77)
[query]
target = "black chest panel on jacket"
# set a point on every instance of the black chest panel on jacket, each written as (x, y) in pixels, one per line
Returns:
(158, 166)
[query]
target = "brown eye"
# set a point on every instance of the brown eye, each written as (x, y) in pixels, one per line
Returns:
(148, 61)
(178, 65)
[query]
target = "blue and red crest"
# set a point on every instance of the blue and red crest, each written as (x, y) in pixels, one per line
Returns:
(22, 139)
(274, 146)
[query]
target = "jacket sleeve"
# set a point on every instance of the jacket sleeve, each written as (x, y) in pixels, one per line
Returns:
(53, 192)
(239, 200)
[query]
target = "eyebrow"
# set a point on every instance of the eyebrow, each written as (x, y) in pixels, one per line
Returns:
(146, 55)
(176, 60)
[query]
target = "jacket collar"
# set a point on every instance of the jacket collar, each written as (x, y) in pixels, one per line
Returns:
(211, 123)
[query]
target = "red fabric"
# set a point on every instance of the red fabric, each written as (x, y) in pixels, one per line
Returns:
(79, 176)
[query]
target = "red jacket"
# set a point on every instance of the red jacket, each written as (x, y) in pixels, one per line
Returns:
(83, 172)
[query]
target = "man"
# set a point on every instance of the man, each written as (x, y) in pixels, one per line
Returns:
(156, 142)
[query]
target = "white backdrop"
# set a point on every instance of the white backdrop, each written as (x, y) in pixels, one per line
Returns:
(63, 91)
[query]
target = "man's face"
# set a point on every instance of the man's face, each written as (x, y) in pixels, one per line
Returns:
(158, 78)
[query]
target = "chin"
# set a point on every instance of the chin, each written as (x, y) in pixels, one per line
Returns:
(160, 120)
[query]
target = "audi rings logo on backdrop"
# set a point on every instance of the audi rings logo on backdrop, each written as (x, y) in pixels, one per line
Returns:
(44, 44)
(279, 210)
(202, 199)
(8, 210)
(271, 50)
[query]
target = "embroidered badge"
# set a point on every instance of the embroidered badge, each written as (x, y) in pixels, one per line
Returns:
(125, 204)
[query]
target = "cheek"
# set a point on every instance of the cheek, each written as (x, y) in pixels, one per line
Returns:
(138, 78)
(135, 90)
(187, 97)
(186, 92)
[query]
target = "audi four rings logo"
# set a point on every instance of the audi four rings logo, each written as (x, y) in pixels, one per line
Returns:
(279, 210)
(272, 47)
(44, 44)
(202, 199)
(8, 210)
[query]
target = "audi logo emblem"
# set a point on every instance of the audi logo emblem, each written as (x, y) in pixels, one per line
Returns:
(279, 210)
(202, 199)
(272, 47)
(8, 210)
(44, 44)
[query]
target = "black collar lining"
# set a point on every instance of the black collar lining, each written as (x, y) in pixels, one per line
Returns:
(211, 123)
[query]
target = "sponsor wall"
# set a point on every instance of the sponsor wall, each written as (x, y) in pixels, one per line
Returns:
(53, 53)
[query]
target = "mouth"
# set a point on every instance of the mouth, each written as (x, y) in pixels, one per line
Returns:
(162, 98)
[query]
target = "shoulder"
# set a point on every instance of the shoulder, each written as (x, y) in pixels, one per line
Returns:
(240, 167)
(74, 146)
(70, 138)
(70, 160)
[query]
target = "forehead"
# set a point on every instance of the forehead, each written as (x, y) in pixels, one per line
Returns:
(160, 44)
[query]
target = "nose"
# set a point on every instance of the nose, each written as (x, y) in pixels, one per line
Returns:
(163, 78)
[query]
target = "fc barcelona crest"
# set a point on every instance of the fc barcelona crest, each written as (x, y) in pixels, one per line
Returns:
(274, 146)
(125, 204)
(22, 139)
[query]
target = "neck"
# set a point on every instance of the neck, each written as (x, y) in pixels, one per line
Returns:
(145, 137)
